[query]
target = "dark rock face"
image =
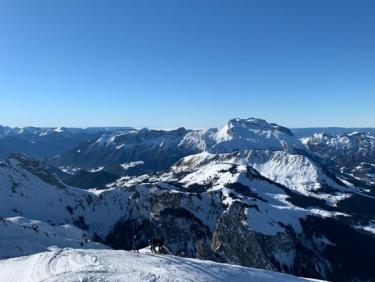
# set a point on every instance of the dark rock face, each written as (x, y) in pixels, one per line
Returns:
(85, 179)
(121, 237)
(359, 206)
(39, 169)
(351, 252)
(171, 218)
(232, 241)
(235, 243)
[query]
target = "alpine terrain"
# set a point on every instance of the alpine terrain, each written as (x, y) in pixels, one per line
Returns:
(248, 201)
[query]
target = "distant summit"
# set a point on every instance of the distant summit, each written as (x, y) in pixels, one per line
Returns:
(245, 134)
(154, 150)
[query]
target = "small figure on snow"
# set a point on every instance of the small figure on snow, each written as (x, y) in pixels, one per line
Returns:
(157, 243)
(153, 244)
(135, 245)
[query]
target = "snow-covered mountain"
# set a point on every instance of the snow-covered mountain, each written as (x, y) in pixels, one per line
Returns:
(46, 142)
(243, 134)
(147, 151)
(133, 152)
(208, 206)
(297, 172)
(248, 193)
(107, 265)
(310, 131)
(352, 153)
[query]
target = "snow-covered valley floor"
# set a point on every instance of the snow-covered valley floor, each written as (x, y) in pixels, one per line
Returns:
(109, 265)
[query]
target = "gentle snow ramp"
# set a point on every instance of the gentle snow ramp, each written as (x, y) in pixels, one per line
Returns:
(108, 265)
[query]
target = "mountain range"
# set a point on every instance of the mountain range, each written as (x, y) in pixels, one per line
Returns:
(249, 193)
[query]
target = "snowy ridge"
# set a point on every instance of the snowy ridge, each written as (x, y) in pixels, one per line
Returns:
(213, 172)
(149, 137)
(45, 131)
(353, 145)
(20, 236)
(47, 142)
(352, 154)
(24, 194)
(243, 134)
(150, 146)
(297, 172)
(144, 150)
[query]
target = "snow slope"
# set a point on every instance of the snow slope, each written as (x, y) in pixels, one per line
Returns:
(108, 265)
(297, 172)
(20, 236)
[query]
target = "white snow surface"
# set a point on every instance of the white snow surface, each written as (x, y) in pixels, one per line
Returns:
(369, 227)
(109, 265)
(97, 169)
(126, 166)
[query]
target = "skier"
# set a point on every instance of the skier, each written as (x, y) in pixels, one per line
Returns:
(135, 247)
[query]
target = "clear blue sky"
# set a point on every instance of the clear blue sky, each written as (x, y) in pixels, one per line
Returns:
(193, 63)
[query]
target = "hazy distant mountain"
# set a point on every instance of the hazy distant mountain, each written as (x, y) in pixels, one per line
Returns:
(46, 142)
(306, 132)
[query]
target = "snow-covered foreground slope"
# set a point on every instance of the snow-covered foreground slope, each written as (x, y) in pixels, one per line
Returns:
(108, 265)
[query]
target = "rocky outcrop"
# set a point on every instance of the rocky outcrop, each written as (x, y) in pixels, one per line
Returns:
(235, 243)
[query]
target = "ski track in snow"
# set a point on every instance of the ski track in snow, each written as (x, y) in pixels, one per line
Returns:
(108, 265)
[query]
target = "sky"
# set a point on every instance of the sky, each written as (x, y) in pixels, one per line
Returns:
(192, 63)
